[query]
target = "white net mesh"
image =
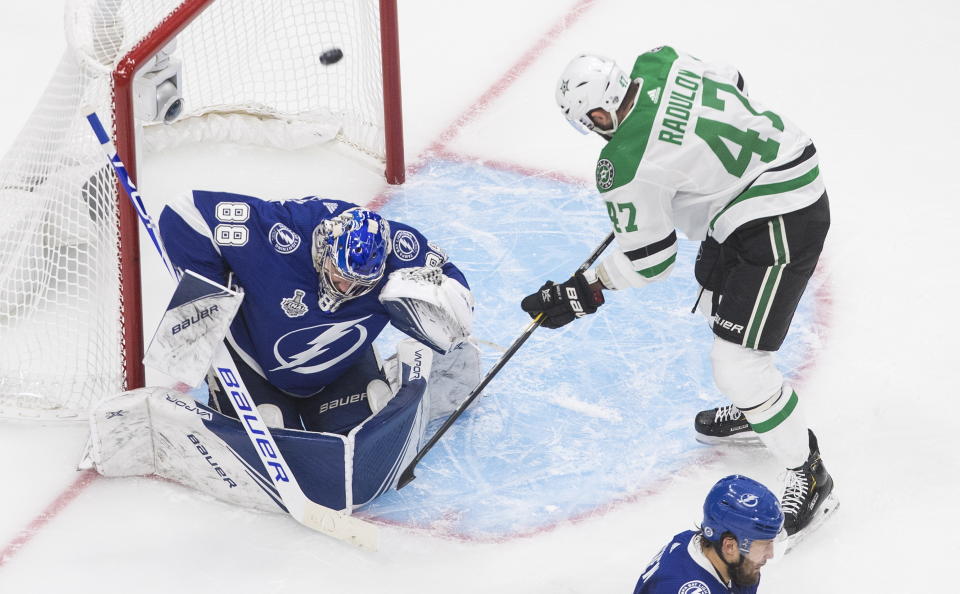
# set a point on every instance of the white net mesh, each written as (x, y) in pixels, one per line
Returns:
(255, 62)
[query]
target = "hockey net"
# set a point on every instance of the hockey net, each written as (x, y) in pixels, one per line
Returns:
(247, 71)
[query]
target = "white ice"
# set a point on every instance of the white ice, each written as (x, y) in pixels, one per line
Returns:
(874, 83)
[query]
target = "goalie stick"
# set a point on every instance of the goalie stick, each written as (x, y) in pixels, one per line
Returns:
(309, 513)
(407, 475)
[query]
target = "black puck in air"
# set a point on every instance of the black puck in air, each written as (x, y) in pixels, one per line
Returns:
(331, 56)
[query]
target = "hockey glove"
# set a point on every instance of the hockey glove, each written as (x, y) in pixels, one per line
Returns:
(560, 304)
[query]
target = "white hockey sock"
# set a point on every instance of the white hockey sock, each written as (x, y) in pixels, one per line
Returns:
(752, 382)
(781, 427)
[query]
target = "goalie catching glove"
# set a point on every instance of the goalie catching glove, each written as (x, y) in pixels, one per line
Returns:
(560, 304)
(429, 306)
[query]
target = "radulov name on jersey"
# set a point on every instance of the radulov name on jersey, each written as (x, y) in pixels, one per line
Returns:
(679, 106)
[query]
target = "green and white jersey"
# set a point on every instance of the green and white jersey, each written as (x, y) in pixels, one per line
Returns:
(697, 155)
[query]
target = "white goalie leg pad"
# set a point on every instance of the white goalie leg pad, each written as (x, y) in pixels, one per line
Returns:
(429, 306)
(452, 376)
(749, 378)
(121, 435)
(162, 431)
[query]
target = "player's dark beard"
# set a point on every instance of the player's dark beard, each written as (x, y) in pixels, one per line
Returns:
(741, 575)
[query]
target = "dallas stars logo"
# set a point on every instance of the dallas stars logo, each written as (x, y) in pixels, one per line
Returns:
(564, 87)
(605, 174)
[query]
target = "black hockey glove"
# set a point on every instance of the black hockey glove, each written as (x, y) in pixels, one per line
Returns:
(560, 304)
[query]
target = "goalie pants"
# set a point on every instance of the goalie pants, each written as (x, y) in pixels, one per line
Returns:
(337, 408)
(759, 273)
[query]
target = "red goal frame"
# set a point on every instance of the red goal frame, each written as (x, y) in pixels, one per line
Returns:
(131, 302)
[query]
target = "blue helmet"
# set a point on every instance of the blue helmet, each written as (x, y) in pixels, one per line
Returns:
(350, 254)
(743, 507)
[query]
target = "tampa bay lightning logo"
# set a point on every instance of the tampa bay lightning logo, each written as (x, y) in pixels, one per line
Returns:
(283, 239)
(748, 500)
(694, 587)
(405, 245)
(313, 349)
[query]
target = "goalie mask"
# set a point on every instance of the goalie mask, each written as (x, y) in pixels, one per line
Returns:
(588, 83)
(350, 255)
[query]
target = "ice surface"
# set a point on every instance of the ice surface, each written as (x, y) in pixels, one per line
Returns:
(580, 417)
(871, 81)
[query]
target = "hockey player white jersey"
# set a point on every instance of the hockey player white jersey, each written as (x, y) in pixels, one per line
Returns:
(695, 154)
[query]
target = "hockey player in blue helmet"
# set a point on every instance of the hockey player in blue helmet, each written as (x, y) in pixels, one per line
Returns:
(741, 519)
(350, 255)
(321, 279)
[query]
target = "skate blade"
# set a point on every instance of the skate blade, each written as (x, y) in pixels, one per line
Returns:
(829, 505)
(747, 439)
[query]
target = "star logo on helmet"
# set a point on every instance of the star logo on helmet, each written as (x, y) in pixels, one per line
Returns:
(564, 86)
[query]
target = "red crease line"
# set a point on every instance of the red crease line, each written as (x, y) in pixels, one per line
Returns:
(69, 494)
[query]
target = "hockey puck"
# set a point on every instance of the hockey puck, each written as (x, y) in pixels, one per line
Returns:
(331, 56)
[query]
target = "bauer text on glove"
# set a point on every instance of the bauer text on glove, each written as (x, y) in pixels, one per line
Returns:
(560, 304)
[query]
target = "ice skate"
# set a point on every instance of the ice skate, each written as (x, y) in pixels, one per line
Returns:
(724, 425)
(808, 497)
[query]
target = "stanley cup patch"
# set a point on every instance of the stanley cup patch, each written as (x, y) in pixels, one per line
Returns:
(294, 306)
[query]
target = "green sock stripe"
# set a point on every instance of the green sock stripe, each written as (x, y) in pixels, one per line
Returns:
(778, 418)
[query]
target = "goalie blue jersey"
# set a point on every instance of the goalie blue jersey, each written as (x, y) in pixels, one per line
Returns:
(681, 568)
(280, 330)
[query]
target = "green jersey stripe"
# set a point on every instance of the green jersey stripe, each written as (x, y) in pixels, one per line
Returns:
(775, 420)
(768, 189)
(621, 156)
(659, 268)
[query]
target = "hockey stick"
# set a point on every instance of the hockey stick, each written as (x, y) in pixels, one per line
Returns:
(309, 513)
(407, 475)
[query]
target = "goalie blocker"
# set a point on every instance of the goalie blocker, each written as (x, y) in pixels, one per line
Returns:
(166, 432)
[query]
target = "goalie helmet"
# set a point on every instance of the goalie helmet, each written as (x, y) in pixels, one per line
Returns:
(742, 507)
(591, 82)
(350, 255)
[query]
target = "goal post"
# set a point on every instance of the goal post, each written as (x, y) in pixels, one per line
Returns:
(162, 72)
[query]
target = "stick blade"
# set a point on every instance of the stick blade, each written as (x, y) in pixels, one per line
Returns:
(339, 525)
(406, 477)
